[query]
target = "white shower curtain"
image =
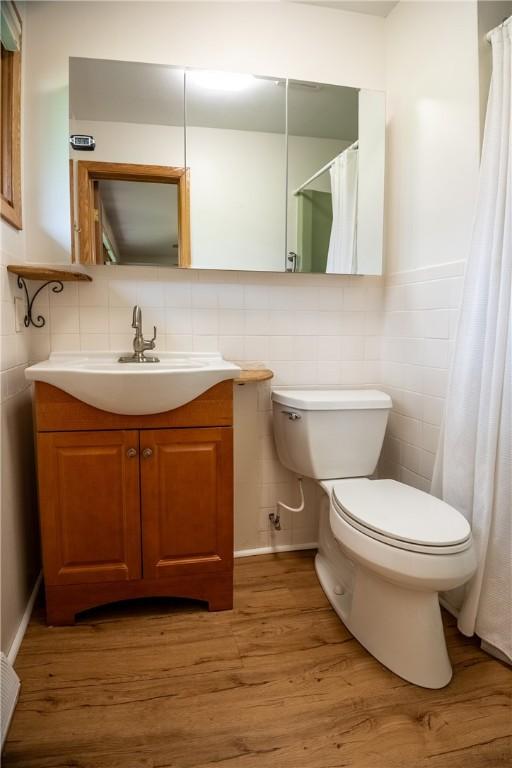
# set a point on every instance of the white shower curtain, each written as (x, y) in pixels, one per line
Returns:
(474, 463)
(342, 254)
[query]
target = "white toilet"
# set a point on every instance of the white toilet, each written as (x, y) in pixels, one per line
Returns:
(385, 549)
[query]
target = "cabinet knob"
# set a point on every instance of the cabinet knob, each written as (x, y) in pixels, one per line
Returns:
(147, 453)
(131, 452)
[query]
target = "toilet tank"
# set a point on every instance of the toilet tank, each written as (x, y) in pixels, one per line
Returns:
(327, 434)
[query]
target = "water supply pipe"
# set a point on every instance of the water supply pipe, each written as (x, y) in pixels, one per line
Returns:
(275, 517)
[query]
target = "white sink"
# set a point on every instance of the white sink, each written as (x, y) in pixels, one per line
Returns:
(134, 388)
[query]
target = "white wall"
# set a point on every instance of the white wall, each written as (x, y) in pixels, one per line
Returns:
(432, 173)
(18, 519)
(346, 49)
(432, 132)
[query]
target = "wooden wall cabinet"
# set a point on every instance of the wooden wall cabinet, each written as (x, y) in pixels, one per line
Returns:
(134, 506)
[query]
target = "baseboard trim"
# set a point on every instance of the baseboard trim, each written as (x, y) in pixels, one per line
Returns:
(448, 607)
(22, 628)
(273, 550)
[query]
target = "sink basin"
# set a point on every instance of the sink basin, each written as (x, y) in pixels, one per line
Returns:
(133, 388)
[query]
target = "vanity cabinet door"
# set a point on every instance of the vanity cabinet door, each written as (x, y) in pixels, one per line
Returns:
(187, 501)
(89, 499)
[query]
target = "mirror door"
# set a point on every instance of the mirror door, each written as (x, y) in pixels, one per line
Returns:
(236, 153)
(283, 175)
(128, 163)
(335, 179)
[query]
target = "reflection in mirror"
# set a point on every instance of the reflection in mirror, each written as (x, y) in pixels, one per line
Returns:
(335, 179)
(135, 112)
(231, 153)
(129, 213)
(138, 222)
(236, 153)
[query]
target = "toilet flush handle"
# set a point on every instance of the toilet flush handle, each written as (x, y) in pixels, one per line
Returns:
(292, 415)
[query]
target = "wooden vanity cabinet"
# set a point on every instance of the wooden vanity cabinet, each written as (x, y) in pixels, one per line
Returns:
(134, 506)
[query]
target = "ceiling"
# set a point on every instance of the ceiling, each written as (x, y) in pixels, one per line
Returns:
(130, 92)
(372, 7)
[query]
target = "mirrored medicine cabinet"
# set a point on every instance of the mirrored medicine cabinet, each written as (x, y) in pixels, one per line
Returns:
(220, 170)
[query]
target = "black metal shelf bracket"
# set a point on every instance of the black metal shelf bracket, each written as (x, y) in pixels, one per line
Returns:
(39, 321)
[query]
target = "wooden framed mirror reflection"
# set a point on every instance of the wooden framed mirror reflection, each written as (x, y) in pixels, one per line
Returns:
(132, 214)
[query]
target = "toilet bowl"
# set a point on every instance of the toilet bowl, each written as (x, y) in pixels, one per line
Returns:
(385, 549)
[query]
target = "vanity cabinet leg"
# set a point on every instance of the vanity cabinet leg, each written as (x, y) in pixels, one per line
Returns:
(221, 595)
(59, 617)
(220, 604)
(58, 613)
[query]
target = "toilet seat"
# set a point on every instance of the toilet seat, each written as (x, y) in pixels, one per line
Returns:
(401, 516)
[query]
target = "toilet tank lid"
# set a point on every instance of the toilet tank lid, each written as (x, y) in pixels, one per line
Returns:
(332, 399)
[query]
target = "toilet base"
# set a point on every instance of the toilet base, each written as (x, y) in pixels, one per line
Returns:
(401, 627)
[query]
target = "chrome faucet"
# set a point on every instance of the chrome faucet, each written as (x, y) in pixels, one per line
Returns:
(140, 344)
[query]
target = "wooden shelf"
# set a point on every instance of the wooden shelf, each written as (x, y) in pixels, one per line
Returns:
(253, 375)
(47, 276)
(47, 273)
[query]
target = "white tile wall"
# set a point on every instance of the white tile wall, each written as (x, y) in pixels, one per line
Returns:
(419, 321)
(19, 527)
(308, 329)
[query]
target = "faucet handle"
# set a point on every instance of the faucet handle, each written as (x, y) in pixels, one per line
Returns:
(150, 343)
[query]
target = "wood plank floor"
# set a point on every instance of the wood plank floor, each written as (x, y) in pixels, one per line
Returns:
(276, 683)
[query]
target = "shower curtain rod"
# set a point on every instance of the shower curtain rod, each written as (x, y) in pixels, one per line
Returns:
(325, 168)
(505, 21)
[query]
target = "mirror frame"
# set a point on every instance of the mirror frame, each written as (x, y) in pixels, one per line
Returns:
(90, 171)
